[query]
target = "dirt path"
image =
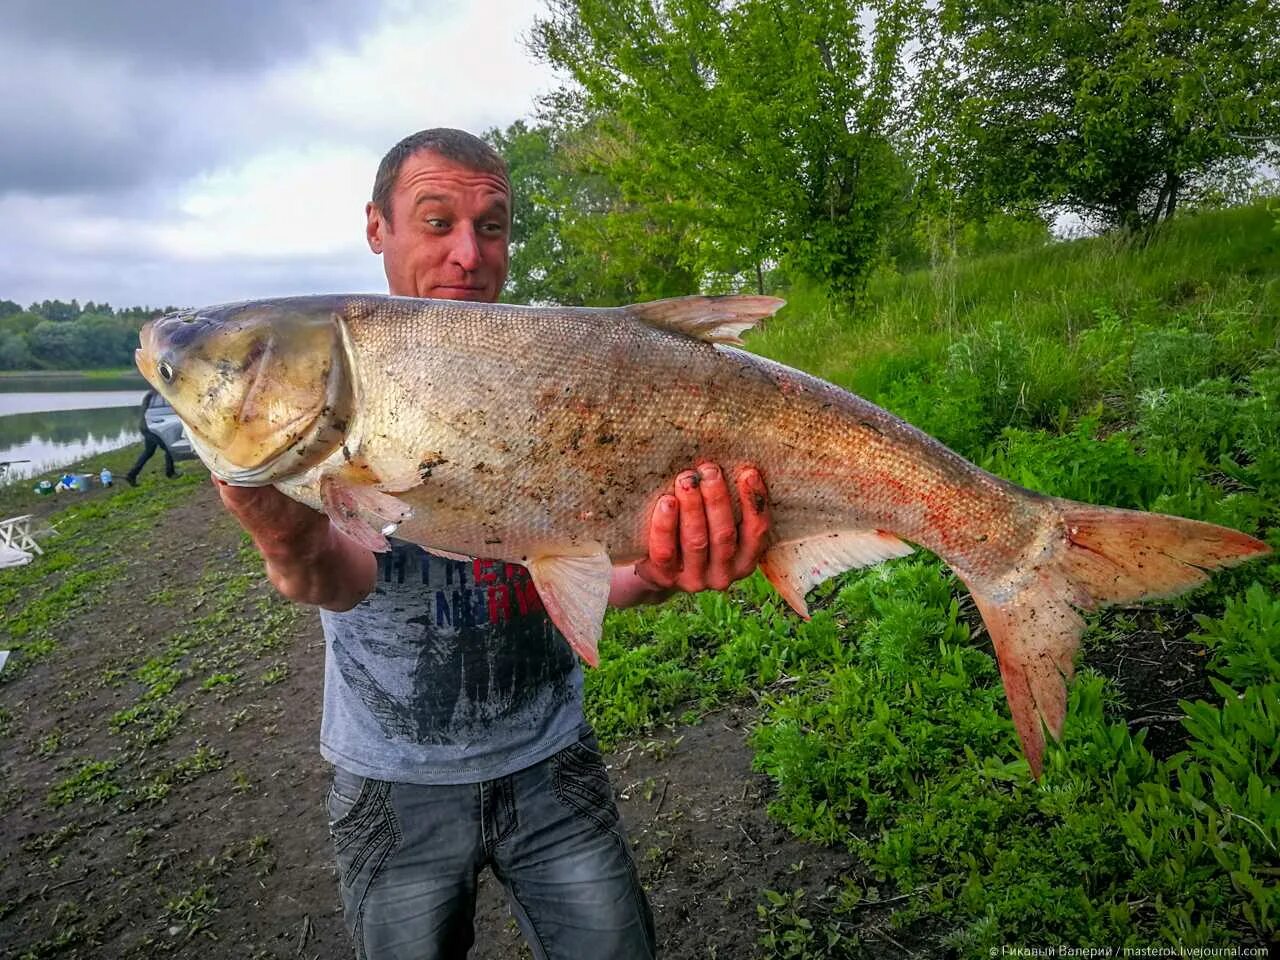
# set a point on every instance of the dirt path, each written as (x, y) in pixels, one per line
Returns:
(161, 790)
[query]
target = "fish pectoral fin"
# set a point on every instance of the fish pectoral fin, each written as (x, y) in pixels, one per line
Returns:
(362, 513)
(575, 593)
(796, 567)
(713, 319)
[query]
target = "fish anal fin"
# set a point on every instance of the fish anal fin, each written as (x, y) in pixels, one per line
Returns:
(350, 508)
(575, 593)
(796, 567)
(712, 319)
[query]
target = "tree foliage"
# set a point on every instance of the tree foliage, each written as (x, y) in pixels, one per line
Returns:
(757, 131)
(56, 335)
(573, 239)
(1118, 109)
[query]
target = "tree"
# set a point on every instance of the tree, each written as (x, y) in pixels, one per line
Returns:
(14, 354)
(57, 310)
(103, 341)
(22, 322)
(1118, 109)
(573, 239)
(56, 345)
(757, 130)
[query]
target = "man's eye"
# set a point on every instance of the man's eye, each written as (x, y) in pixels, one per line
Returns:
(437, 224)
(494, 228)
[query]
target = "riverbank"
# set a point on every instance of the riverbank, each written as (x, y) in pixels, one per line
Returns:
(170, 699)
(19, 496)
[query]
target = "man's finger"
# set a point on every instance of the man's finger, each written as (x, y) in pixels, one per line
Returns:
(753, 534)
(693, 531)
(662, 566)
(722, 529)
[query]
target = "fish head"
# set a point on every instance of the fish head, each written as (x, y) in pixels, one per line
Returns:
(264, 387)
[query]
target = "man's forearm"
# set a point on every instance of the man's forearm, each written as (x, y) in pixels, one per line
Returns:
(627, 589)
(330, 571)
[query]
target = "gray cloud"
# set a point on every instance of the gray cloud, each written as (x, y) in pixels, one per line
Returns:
(109, 96)
(158, 152)
(63, 134)
(230, 35)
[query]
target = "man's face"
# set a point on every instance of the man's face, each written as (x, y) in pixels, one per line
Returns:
(446, 232)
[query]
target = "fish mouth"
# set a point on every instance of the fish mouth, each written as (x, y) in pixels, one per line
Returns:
(144, 355)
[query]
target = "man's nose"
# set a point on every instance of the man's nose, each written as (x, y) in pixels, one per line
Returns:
(466, 248)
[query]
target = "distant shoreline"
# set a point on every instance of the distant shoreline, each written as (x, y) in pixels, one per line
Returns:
(114, 374)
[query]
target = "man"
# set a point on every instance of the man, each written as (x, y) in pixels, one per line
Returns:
(453, 709)
(150, 442)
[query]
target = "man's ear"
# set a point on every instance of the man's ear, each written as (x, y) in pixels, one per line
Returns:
(373, 226)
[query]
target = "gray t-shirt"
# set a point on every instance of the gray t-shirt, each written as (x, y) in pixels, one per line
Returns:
(449, 672)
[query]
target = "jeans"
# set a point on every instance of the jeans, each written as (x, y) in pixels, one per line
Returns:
(151, 443)
(409, 857)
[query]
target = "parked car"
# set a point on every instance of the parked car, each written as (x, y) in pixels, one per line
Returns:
(163, 421)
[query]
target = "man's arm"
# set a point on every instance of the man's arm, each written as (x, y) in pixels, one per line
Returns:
(694, 542)
(307, 560)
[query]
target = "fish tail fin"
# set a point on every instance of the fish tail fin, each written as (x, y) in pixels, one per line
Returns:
(1093, 557)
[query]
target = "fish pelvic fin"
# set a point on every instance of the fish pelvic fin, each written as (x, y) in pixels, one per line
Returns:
(364, 514)
(1092, 557)
(575, 593)
(448, 554)
(796, 567)
(712, 319)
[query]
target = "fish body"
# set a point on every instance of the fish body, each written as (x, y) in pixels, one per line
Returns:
(545, 436)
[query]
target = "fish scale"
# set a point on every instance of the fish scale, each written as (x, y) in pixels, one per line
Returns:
(486, 387)
(545, 436)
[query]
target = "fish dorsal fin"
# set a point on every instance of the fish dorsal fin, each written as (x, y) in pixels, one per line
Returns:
(575, 592)
(797, 567)
(713, 319)
(362, 513)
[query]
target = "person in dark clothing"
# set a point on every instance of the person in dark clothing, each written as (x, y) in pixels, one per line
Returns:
(150, 443)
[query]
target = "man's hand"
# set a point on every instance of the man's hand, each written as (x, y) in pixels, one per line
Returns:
(694, 542)
(307, 560)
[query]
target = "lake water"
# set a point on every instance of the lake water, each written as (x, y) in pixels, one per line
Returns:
(56, 420)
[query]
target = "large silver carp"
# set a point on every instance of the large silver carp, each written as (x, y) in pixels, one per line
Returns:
(545, 436)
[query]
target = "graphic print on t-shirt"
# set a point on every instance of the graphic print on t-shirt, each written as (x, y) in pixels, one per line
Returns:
(443, 648)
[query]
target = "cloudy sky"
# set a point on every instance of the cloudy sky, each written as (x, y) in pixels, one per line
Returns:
(161, 153)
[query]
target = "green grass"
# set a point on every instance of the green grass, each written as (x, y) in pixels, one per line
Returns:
(1144, 377)
(81, 561)
(1034, 329)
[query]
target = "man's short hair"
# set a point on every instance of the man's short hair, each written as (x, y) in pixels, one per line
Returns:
(459, 146)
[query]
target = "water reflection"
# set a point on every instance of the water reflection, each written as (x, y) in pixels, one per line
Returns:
(63, 383)
(53, 439)
(44, 402)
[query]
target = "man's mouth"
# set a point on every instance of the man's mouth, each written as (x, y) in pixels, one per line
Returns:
(460, 291)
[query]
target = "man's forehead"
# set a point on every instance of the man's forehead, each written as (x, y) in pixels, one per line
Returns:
(428, 173)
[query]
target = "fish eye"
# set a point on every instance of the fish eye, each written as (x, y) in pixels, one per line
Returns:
(165, 369)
